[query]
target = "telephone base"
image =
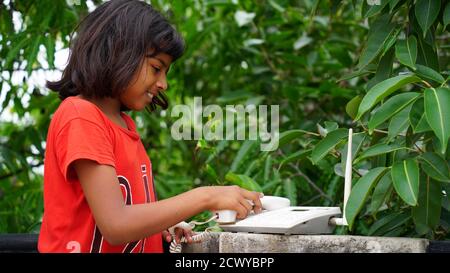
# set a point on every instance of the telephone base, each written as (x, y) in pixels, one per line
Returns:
(288, 221)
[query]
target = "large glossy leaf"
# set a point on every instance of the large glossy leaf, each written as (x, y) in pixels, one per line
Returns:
(384, 68)
(380, 32)
(327, 144)
(426, 54)
(429, 74)
(381, 192)
(406, 51)
(371, 68)
(357, 143)
(427, 213)
(446, 17)
(390, 108)
(360, 193)
(352, 106)
(378, 149)
(426, 12)
(382, 90)
(417, 117)
(374, 9)
(388, 223)
(288, 136)
(437, 110)
(295, 156)
(399, 123)
(242, 181)
(393, 4)
(405, 175)
(435, 166)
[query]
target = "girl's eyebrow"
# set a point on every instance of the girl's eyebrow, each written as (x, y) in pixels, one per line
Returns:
(164, 64)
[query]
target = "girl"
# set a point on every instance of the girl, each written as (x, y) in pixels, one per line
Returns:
(98, 185)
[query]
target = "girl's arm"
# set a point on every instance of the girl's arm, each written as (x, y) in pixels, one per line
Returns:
(121, 224)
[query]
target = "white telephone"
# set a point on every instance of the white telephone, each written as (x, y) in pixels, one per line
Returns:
(280, 218)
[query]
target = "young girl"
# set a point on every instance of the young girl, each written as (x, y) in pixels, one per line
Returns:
(98, 185)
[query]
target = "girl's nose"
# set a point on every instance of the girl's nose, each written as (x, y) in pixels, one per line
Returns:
(162, 84)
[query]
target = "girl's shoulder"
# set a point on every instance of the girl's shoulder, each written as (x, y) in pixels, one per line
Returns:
(77, 108)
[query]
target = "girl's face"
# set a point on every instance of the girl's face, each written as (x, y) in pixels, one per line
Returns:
(147, 82)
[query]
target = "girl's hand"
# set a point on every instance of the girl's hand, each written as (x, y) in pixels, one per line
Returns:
(234, 198)
(179, 233)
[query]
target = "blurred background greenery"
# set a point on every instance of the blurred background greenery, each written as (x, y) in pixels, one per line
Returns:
(314, 58)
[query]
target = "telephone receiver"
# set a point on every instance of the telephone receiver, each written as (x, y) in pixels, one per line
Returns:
(267, 202)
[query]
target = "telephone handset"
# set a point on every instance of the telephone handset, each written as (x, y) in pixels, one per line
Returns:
(268, 203)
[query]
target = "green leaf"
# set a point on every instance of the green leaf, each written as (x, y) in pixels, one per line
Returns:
(330, 126)
(352, 106)
(357, 143)
(290, 190)
(378, 149)
(34, 50)
(446, 16)
(390, 108)
(381, 192)
(371, 68)
(384, 69)
(14, 51)
(388, 223)
(390, 42)
(426, 12)
(380, 32)
(360, 193)
(374, 9)
(242, 181)
(393, 4)
(435, 166)
(399, 123)
(327, 144)
(295, 156)
(50, 50)
(211, 172)
(405, 175)
(429, 73)
(287, 136)
(417, 117)
(267, 168)
(382, 90)
(406, 51)
(276, 6)
(245, 149)
(427, 55)
(428, 210)
(437, 110)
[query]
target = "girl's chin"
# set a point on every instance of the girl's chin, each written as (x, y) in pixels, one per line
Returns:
(134, 107)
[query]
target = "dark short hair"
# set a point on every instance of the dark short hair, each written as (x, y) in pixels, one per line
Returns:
(109, 47)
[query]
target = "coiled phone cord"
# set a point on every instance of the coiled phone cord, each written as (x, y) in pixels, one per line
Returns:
(177, 247)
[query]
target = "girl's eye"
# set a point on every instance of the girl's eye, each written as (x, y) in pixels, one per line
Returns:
(157, 69)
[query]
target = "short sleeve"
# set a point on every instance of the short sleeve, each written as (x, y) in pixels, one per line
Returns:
(82, 139)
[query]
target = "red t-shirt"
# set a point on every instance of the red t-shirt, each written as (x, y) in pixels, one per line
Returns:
(79, 129)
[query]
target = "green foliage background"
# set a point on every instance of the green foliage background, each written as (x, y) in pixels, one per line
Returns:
(330, 65)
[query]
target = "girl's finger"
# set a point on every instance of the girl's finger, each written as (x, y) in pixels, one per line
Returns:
(166, 235)
(178, 234)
